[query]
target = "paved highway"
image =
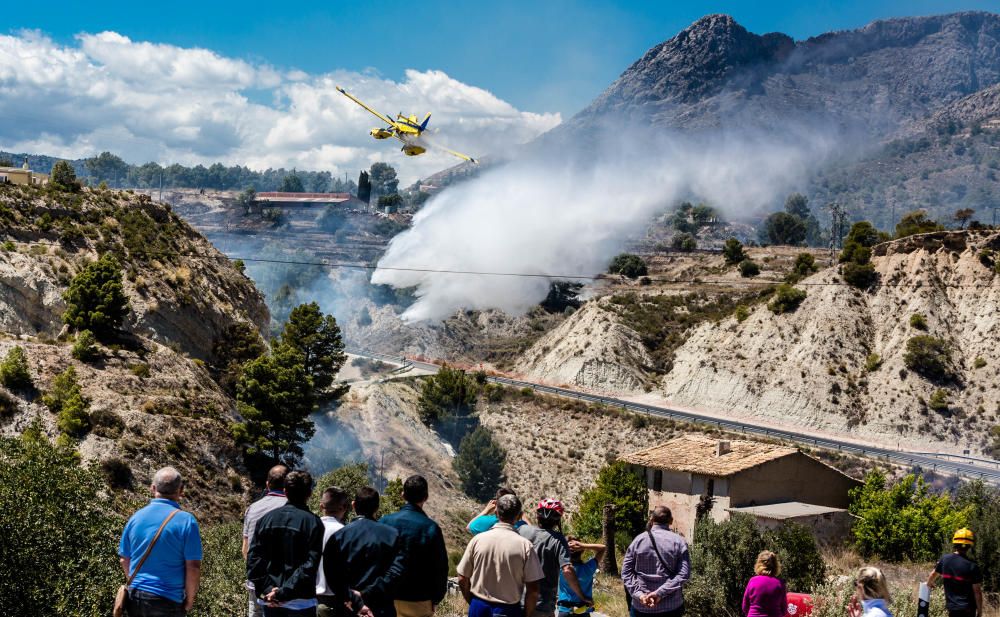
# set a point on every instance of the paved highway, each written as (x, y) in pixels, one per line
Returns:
(967, 467)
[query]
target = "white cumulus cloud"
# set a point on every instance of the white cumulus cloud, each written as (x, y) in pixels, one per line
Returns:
(150, 101)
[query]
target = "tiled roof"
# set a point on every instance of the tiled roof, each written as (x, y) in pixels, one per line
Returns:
(696, 454)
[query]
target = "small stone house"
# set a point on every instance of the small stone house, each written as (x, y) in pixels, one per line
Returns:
(771, 482)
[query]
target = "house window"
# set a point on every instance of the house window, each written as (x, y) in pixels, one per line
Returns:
(710, 487)
(657, 479)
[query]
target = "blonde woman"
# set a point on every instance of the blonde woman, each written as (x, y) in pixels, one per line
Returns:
(765, 595)
(871, 597)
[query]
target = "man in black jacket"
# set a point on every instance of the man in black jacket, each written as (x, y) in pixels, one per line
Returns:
(365, 556)
(425, 578)
(284, 555)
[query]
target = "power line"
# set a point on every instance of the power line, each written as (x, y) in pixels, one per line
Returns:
(544, 275)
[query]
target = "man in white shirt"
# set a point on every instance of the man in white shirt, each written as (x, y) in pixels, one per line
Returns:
(333, 507)
(274, 499)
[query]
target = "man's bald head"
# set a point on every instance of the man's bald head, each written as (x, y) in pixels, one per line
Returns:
(661, 515)
(167, 482)
(276, 477)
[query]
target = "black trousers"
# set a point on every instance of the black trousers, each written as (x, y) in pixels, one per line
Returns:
(144, 604)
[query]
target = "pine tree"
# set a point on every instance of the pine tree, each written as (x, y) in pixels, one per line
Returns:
(479, 464)
(317, 337)
(96, 299)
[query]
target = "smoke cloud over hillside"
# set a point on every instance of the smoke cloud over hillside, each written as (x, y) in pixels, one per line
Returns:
(567, 211)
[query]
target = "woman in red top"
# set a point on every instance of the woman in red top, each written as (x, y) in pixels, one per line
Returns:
(765, 593)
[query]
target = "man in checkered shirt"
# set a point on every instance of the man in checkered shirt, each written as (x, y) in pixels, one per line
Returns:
(655, 582)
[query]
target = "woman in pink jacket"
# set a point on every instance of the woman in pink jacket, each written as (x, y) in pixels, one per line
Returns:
(765, 593)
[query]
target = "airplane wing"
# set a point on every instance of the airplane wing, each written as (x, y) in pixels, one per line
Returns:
(358, 101)
(464, 157)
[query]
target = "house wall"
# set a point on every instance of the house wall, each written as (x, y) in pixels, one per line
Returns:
(796, 477)
(682, 492)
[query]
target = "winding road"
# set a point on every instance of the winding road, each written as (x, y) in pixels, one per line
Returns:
(951, 464)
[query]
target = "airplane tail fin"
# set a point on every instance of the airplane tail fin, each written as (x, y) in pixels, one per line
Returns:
(423, 125)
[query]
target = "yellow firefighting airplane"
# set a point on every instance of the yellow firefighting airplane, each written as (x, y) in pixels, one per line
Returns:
(406, 130)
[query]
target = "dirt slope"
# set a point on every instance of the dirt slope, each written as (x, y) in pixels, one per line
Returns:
(807, 368)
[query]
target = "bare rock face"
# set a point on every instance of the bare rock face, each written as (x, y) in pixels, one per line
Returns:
(151, 400)
(876, 78)
(590, 350)
(147, 407)
(182, 291)
(836, 364)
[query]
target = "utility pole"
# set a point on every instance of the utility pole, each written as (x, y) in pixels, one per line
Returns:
(837, 219)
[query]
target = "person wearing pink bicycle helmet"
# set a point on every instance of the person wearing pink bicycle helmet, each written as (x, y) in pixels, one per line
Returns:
(553, 553)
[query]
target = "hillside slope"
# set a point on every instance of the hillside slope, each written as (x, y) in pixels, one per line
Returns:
(808, 368)
(151, 399)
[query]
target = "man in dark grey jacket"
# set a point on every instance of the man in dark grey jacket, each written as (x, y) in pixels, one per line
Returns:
(365, 556)
(284, 555)
(425, 578)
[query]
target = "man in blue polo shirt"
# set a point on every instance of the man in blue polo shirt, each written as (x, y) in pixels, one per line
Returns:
(166, 584)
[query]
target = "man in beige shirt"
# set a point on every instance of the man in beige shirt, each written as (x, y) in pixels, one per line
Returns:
(498, 566)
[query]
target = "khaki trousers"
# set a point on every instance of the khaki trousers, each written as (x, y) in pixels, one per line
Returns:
(423, 608)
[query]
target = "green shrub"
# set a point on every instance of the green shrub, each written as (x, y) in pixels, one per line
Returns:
(979, 362)
(872, 362)
(73, 419)
(683, 242)
(63, 560)
(140, 370)
(904, 520)
(929, 356)
(741, 313)
(451, 393)
(732, 252)
(786, 299)
(63, 177)
(916, 222)
(862, 276)
(616, 484)
(479, 464)
(805, 264)
(918, 321)
(223, 571)
(85, 347)
(628, 265)
(748, 268)
(8, 246)
(14, 373)
(939, 401)
(96, 299)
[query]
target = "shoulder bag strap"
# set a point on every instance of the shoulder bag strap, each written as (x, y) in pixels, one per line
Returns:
(149, 549)
(656, 549)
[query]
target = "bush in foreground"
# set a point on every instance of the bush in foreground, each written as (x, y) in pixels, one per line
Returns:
(616, 484)
(723, 556)
(59, 554)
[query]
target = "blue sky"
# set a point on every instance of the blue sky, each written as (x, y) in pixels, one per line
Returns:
(543, 56)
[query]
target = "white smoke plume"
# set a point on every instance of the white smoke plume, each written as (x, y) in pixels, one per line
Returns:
(569, 212)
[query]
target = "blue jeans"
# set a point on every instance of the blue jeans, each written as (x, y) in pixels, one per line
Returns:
(144, 604)
(482, 608)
